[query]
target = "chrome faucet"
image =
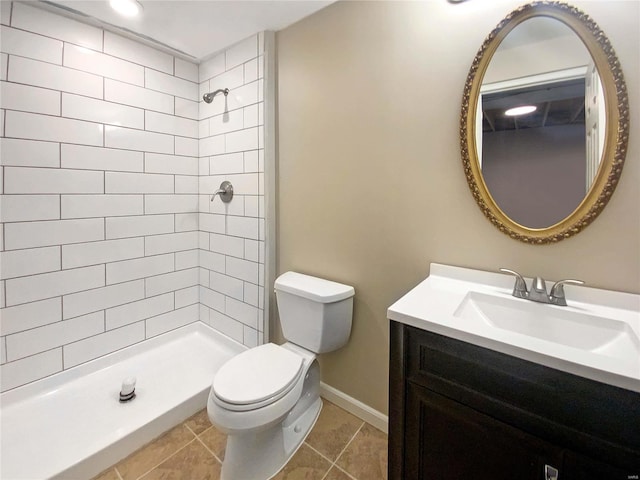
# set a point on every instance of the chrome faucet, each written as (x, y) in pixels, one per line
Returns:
(538, 292)
(557, 292)
(225, 191)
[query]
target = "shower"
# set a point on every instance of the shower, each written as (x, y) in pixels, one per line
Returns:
(208, 97)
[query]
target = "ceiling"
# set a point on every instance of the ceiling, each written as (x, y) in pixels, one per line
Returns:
(197, 29)
(559, 103)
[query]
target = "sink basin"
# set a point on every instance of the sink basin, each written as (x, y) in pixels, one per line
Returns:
(597, 336)
(559, 325)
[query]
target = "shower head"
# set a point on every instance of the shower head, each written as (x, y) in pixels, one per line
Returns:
(208, 97)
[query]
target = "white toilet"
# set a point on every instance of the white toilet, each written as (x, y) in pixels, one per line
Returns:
(267, 398)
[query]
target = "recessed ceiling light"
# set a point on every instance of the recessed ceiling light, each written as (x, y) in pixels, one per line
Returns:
(128, 8)
(513, 112)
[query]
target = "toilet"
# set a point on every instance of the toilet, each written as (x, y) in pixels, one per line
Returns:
(267, 399)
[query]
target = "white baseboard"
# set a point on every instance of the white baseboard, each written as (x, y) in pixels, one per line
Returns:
(355, 407)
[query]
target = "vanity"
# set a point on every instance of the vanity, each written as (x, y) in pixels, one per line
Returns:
(487, 386)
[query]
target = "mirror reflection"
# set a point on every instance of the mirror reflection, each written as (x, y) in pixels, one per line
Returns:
(539, 161)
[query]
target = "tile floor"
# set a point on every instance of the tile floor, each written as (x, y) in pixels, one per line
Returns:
(340, 447)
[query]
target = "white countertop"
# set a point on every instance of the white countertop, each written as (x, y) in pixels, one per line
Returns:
(435, 305)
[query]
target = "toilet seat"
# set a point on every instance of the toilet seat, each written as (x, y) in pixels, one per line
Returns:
(257, 377)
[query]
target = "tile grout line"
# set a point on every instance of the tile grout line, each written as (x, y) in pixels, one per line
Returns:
(204, 444)
(197, 437)
(351, 440)
(166, 458)
(333, 463)
(347, 446)
(340, 469)
(189, 428)
(319, 453)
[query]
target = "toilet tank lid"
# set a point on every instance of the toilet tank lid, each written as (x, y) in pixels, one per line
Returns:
(313, 288)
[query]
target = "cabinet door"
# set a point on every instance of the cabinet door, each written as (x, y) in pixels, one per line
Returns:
(579, 467)
(446, 440)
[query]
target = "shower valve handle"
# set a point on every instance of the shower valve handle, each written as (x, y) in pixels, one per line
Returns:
(225, 191)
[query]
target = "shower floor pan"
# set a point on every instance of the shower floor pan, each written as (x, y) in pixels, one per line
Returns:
(72, 426)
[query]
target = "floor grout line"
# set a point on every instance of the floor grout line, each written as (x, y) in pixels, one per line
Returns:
(199, 440)
(351, 440)
(319, 453)
(204, 444)
(207, 448)
(189, 428)
(168, 457)
(164, 460)
(341, 469)
(334, 463)
(322, 456)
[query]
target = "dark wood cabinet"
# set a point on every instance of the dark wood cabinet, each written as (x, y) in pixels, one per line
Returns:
(579, 467)
(449, 441)
(459, 411)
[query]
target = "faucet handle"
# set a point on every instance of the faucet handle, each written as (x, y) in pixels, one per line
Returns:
(520, 287)
(225, 191)
(557, 297)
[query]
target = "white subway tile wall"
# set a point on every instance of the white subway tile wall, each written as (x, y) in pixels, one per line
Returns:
(231, 290)
(109, 157)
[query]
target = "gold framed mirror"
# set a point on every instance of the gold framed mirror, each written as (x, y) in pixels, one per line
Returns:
(545, 177)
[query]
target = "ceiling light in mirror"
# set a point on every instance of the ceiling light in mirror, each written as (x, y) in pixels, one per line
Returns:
(523, 110)
(127, 8)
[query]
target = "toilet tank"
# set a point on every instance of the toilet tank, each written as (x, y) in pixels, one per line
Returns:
(314, 313)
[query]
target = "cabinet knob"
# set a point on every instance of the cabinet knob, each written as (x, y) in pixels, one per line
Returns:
(550, 473)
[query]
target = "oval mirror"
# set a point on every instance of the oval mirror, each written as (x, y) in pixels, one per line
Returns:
(544, 123)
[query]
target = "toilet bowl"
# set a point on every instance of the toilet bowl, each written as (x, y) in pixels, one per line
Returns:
(267, 399)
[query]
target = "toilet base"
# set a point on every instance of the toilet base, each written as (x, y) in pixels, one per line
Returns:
(261, 455)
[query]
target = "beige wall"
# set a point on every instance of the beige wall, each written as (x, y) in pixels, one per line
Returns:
(370, 182)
